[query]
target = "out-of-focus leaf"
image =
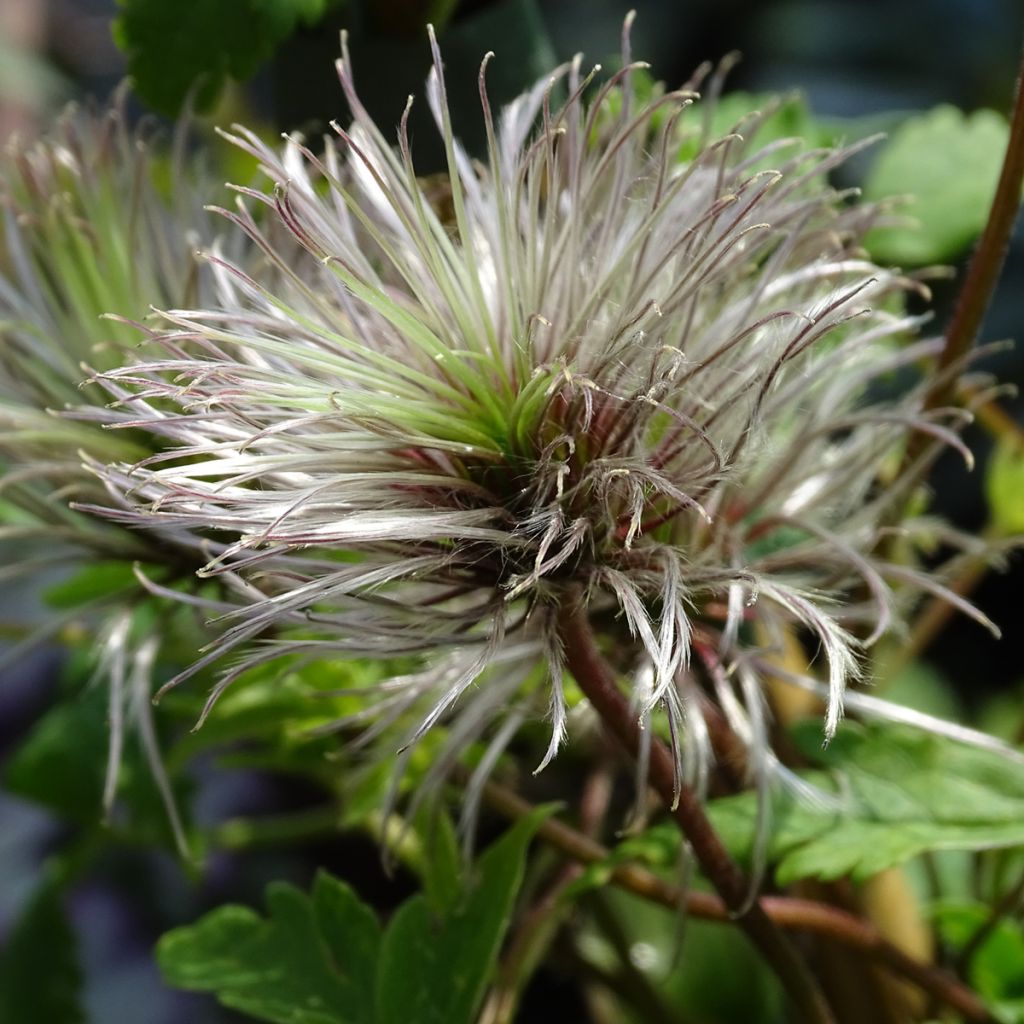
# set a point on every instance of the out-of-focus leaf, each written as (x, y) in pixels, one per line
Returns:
(949, 162)
(310, 961)
(96, 580)
(922, 687)
(61, 765)
(173, 47)
(435, 971)
(441, 862)
(1004, 482)
(996, 969)
(40, 979)
(715, 976)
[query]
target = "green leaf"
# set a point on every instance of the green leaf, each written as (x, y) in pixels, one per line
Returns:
(996, 969)
(61, 765)
(949, 162)
(435, 971)
(172, 47)
(1004, 483)
(96, 580)
(310, 961)
(441, 862)
(714, 976)
(889, 794)
(322, 960)
(40, 979)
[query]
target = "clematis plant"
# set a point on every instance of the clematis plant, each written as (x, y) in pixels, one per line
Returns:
(592, 374)
(594, 426)
(91, 223)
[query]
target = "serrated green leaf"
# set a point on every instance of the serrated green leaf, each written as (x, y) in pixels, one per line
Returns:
(949, 162)
(435, 971)
(310, 961)
(889, 794)
(40, 979)
(1004, 485)
(173, 47)
(322, 960)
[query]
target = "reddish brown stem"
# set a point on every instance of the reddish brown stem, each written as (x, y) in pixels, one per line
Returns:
(799, 914)
(987, 262)
(983, 273)
(597, 682)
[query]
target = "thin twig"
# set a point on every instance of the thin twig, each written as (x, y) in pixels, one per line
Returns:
(597, 682)
(787, 912)
(540, 924)
(983, 273)
(1007, 904)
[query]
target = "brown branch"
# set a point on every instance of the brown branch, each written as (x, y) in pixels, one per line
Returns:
(787, 912)
(983, 273)
(595, 679)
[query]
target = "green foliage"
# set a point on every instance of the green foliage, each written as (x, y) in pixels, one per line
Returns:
(39, 975)
(323, 959)
(715, 975)
(785, 117)
(949, 162)
(899, 793)
(61, 764)
(996, 969)
(310, 961)
(1004, 482)
(888, 793)
(94, 581)
(173, 47)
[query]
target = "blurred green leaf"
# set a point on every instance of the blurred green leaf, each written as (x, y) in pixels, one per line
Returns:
(921, 686)
(173, 47)
(61, 765)
(949, 162)
(96, 580)
(888, 794)
(1004, 483)
(441, 863)
(60, 762)
(996, 969)
(310, 961)
(715, 976)
(40, 979)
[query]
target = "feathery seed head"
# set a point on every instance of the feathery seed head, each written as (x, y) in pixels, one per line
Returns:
(617, 360)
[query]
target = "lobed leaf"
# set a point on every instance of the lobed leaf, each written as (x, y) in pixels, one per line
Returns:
(310, 961)
(322, 959)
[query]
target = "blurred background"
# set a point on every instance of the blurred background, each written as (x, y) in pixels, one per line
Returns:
(859, 60)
